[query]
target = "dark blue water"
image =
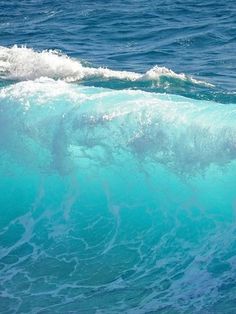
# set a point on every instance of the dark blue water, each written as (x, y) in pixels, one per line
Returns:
(118, 157)
(185, 36)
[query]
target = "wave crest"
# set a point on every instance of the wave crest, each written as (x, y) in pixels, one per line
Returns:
(183, 134)
(21, 63)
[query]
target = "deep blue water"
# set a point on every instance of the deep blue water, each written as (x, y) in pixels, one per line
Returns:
(118, 157)
(194, 37)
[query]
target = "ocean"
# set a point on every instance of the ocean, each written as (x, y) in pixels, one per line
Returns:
(118, 157)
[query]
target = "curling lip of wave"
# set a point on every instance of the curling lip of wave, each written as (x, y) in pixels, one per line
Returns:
(21, 63)
(185, 135)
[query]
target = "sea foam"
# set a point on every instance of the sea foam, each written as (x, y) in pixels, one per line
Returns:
(21, 63)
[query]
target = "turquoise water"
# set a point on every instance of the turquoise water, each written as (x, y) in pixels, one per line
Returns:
(117, 165)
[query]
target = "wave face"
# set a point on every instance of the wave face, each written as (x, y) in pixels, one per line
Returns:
(112, 200)
(117, 157)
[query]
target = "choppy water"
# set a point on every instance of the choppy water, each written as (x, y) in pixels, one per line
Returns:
(117, 157)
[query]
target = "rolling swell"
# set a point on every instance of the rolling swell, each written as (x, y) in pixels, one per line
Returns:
(113, 199)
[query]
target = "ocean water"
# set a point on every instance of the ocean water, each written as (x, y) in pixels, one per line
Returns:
(118, 157)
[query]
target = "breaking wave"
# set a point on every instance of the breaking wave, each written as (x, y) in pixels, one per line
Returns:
(112, 199)
(179, 132)
(21, 63)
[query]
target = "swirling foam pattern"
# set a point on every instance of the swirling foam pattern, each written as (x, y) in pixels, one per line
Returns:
(112, 200)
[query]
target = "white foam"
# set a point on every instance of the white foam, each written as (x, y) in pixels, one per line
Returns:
(21, 63)
(157, 72)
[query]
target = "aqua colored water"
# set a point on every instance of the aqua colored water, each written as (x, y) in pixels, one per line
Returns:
(117, 157)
